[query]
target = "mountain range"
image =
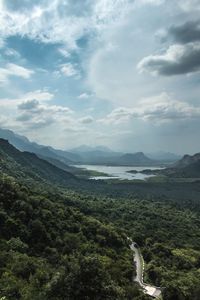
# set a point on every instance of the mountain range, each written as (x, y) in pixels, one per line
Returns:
(164, 156)
(83, 154)
(23, 144)
(29, 166)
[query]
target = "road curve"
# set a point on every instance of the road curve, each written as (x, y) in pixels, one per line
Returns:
(150, 290)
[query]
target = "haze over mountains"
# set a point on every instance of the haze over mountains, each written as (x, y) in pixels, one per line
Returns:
(61, 162)
(86, 154)
(29, 166)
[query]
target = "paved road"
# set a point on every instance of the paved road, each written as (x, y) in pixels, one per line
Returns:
(139, 262)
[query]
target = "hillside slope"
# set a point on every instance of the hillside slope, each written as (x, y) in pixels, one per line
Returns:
(23, 144)
(50, 251)
(137, 158)
(28, 165)
(187, 167)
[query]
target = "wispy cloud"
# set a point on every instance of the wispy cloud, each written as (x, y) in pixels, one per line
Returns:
(84, 96)
(68, 70)
(14, 70)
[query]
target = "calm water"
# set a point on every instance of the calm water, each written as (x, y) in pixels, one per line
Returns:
(118, 172)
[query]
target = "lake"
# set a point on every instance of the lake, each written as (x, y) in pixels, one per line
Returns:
(118, 172)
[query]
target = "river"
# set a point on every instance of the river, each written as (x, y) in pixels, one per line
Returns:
(118, 172)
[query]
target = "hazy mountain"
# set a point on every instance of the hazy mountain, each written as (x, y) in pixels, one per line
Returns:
(23, 144)
(105, 156)
(96, 155)
(28, 165)
(137, 158)
(70, 156)
(164, 156)
(82, 154)
(20, 142)
(86, 148)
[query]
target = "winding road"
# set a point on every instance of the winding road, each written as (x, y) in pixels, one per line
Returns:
(150, 290)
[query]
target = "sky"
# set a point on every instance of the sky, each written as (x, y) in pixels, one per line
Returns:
(119, 73)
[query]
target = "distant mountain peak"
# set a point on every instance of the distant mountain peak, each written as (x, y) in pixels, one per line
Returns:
(87, 148)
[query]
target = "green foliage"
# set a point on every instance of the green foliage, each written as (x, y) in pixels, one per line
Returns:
(60, 243)
(52, 251)
(167, 232)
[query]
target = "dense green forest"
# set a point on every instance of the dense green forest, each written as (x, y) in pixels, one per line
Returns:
(64, 238)
(168, 234)
(50, 250)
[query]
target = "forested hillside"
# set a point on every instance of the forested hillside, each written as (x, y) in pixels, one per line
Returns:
(168, 233)
(64, 238)
(50, 250)
(26, 166)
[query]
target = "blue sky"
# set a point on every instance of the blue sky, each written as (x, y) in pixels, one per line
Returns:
(120, 73)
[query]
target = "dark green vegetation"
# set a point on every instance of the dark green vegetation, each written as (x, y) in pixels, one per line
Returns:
(65, 238)
(51, 250)
(168, 234)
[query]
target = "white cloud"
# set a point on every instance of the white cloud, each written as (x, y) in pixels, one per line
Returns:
(109, 54)
(34, 114)
(14, 70)
(12, 53)
(68, 70)
(20, 71)
(31, 112)
(39, 95)
(60, 21)
(84, 96)
(64, 52)
(158, 109)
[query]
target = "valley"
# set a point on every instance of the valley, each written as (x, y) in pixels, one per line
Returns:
(99, 150)
(50, 216)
